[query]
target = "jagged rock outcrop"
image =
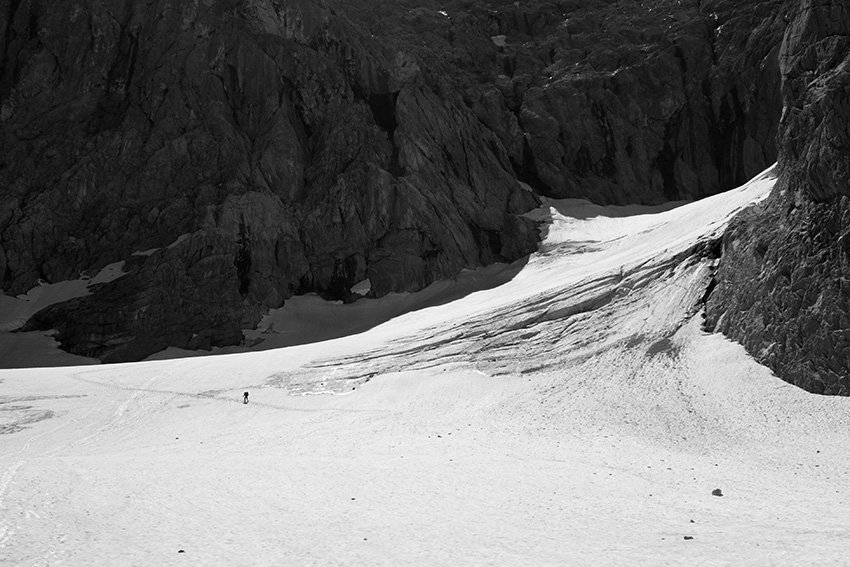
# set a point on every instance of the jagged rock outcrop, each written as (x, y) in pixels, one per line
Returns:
(305, 145)
(783, 287)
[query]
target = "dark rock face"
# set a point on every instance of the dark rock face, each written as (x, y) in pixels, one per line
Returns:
(617, 101)
(298, 153)
(165, 301)
(304, 145)
(671, 101)
(815, 138)
(783, 288)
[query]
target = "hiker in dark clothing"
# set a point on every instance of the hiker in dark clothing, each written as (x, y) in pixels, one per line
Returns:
(245, 398)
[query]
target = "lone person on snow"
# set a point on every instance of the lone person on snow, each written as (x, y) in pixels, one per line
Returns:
(245, 398)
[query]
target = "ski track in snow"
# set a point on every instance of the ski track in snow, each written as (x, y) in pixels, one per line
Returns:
(575, 415)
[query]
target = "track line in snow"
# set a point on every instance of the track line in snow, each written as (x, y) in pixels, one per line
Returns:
(214, 395)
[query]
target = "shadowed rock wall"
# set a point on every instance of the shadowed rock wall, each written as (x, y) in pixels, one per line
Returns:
(783, 287)
(305, 145)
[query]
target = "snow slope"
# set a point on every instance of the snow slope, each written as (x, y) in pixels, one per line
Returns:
(574, 415)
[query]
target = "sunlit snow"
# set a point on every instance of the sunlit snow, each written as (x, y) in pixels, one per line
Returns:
(574, 415)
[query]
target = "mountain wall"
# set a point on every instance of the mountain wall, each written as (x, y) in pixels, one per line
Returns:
(783, 287)
(234, 153)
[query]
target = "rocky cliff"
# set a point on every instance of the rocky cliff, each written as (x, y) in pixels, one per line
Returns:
(783, 288)
(255, 149)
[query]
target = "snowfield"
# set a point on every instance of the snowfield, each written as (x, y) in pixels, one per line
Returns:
(574, 415)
